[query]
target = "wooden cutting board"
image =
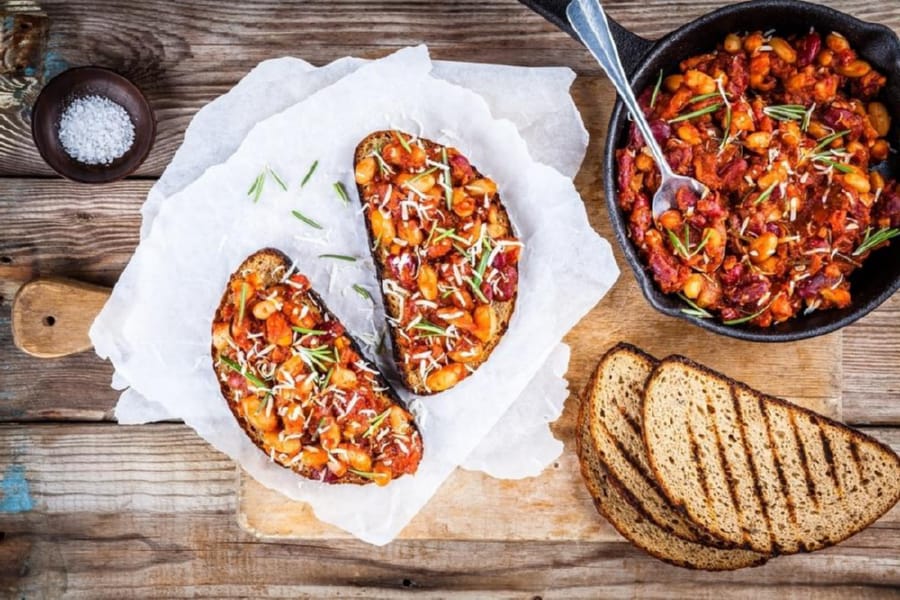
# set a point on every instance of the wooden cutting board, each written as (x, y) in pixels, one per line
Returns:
(51, 318)
(555, 506)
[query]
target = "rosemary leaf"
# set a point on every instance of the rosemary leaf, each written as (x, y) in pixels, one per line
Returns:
(872, 241)
(305, 219)
(277, 179)
(702, 97)
(834, 164)
(341, 192)
(375, 422)
(305, 331)
(403, 142)
(243, 303)
(362, 291)
(339, 257)
(256, 189)
(259, 383)
(748, 317)
(312, 169)
(697, 113)
(826, 141)
(765, 195)
(653, 97)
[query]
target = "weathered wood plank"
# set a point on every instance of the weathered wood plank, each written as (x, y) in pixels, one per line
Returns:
(148, 511)
(202, 48)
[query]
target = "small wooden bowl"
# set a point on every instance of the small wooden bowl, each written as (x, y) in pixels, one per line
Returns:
(87, 81)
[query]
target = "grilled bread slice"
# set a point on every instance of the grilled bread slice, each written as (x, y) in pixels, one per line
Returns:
(757, 471)
(445, 253)
(618, 506)
(298, 384)
(613, 404)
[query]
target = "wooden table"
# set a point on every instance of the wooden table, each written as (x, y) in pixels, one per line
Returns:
(111, 511)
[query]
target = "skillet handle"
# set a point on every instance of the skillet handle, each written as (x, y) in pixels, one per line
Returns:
(632, 47)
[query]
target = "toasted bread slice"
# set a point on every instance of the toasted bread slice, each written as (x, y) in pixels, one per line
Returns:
(445, 253)
(757, 471)
(613, 502)
(300, 387)
(613, 404)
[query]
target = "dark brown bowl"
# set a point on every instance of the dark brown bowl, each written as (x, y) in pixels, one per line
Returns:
(879, 277)
(86, 81)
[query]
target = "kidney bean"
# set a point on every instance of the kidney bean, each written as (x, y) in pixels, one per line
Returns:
(807, 49)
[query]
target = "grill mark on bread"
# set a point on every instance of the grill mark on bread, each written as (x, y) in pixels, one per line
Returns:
(857, 463)
(751, 461)
(829, 458)
(629, 419)
(701, 473)
(636, 464)
(726, 468)
(811, 492)
(776, 460)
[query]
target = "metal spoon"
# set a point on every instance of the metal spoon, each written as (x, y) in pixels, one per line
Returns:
(589, 21)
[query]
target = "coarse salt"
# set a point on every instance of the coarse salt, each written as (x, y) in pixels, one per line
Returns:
(94, 130)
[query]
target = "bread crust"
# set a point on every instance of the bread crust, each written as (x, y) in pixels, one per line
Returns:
(266, 263)
(624, 513)
(818, 420)
(504, 310)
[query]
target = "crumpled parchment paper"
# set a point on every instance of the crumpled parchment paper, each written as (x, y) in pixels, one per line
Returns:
(161, 347)
(535, 99)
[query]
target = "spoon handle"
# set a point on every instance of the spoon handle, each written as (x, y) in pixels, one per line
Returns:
(589, 21)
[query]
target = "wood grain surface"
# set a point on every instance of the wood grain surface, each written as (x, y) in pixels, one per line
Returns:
(92, 510)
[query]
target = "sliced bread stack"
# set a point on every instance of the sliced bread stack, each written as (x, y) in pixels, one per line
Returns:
(704, 472)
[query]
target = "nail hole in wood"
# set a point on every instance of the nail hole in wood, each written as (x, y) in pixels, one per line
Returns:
(407, 583)
(49, 321)
(5, 259)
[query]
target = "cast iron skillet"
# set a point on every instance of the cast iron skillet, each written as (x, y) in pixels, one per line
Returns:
(870, 285)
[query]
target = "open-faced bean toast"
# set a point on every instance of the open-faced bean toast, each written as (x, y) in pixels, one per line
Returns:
(298, 384)
(445, 252)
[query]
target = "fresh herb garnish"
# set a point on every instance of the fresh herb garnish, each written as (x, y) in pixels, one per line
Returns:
(318, 357)
(683, 247)
(312, 169)
(702, 97)
(339, 257)
(259, 383)
(872, 240)
(766, 193)
(418, 176)
(826, 141)
(256, 189)
(698, 113)
(694, 310)
(449, 233)
(362, 291)
(375, 422)
(656, 87)
(748, 317)
(482, 265)
(403, 142)
(327, 379)
(726, 132)
(305, 219)
(277, 179)
(341, 192)
(365, 474)
(786, 112)
(305, 331)
(833, 164)
(429, 328)
(243, 302)
(476, 289)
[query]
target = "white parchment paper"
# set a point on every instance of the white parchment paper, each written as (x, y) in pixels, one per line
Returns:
(202, 233)
(536, 100)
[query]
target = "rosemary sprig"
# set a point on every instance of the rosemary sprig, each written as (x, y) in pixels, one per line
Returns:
(403, 142)
(653, 97)
(327, 379)
(341, 192)
(305, 331)
(418, 176)
(259, 383)
(678, 244)
(702, 97)
(256, 189)
(694, 310)
(339, 257)
(305, 219)
(683, 247)
(807, 116)
(874, 240)
(319, 357)
(826, 141)
(697, 113)
(766, 193)
(277, 179)
(726, 133)
(786, 112)
(364, 474)
(822, 158)
(243, 303)
(748, 317)
(449, 233)
(312, 169)
(482, 265)
(375, 422)
(429, 328)
(362, 291)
